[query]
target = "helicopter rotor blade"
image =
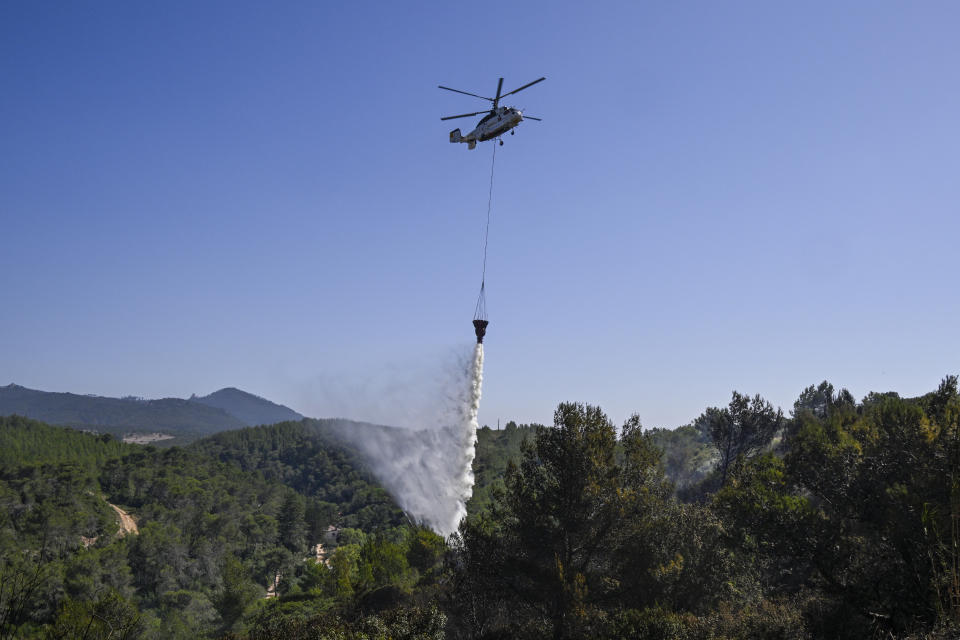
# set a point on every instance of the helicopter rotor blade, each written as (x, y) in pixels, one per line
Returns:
(465, 115)
(496, 100)
(530, 84)
(440, 86)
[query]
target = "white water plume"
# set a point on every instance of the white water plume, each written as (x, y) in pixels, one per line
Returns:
(430, 471)
(469, 438)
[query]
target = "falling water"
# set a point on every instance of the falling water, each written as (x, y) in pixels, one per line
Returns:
(469, 439)
(429, 472)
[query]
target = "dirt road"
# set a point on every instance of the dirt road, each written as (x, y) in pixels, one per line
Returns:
(127, 523)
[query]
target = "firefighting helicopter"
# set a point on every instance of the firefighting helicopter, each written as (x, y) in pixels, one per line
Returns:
(498, 120)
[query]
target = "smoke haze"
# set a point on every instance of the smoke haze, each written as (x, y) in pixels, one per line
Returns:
(430, 471)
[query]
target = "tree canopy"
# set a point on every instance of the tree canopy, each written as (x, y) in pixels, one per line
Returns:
(839, 521)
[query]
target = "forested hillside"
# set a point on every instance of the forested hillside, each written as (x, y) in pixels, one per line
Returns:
(835, 520)
(24, 441)
(308, 458)
(212, 537)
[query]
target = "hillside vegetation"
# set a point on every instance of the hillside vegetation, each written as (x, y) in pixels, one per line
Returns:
(836, 520)
(496, 448)
(306, 457)
(24, 441)
(212, 538)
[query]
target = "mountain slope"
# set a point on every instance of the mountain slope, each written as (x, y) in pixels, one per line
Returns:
(186, 516)
(112, 414)
(252, 410)
(29, 442)
(308, 457)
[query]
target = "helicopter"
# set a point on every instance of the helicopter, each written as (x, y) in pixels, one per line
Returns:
(498, 120)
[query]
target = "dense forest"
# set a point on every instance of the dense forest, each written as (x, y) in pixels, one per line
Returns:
(840, 519)
(306, 457)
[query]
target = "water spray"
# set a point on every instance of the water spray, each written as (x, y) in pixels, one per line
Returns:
(469, 439)
(430, 471)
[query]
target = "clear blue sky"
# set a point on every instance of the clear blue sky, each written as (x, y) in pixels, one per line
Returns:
(743, 195)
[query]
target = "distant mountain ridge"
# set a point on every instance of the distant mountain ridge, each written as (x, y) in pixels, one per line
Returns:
(252, 410)
(222, 410)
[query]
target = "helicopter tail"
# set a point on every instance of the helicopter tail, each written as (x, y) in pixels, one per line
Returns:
(455, 135)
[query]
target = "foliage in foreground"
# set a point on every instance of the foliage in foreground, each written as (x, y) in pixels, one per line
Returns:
(836, 522)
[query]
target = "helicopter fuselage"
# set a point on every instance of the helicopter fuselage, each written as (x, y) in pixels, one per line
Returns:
(493, 125)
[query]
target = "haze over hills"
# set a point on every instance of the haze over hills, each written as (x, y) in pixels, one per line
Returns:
(186, 418)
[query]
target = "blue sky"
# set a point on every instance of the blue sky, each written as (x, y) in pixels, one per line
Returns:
(747, 195)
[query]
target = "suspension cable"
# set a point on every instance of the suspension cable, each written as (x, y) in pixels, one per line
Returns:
(480, 313)
(486, 235)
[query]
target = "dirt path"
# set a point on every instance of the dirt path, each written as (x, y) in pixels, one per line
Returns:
(272, 589)
(127, 523)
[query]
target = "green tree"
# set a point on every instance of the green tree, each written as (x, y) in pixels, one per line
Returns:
(381, 563)
(769, 524)
(744, 428)
(237, 593)
(425, 549)
(344, 573)
(22, 580)
(110, 617)
(547, 556)
(821, 400)
(291, 523)
(318, 516)
(878, 483)
(935, 404)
